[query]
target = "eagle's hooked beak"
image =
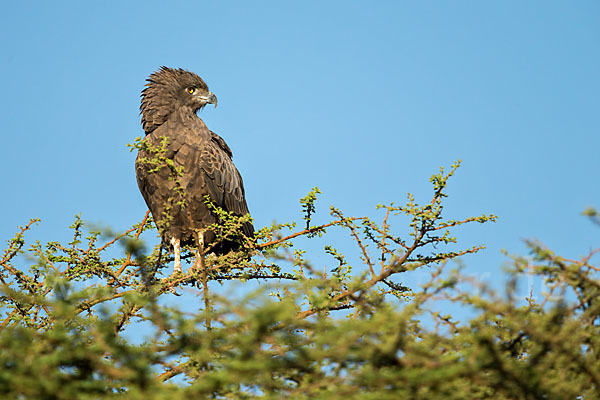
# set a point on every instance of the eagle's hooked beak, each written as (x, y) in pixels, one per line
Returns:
(210, 98)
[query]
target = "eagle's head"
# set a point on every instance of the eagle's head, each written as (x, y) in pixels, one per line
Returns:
(169, 90)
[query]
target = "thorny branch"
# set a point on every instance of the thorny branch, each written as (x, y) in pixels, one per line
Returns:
(136, 289)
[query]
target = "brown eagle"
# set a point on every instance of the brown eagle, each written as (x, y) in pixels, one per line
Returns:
(181, 161)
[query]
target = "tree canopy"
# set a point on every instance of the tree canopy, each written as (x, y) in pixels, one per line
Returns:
(97, 317)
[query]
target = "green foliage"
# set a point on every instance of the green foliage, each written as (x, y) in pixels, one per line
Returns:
(308, 206)
(593, 214)
(78, 322)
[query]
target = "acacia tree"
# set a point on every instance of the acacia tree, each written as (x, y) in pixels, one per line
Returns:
(70, 313)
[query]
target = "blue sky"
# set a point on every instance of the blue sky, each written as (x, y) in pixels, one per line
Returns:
(363, 100)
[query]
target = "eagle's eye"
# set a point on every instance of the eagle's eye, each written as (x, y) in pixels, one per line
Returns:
(191, 90)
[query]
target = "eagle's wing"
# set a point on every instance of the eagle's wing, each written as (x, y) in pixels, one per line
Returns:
(221, 142)
(209, 169)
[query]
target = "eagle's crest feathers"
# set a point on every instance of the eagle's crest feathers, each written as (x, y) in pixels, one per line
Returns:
(165, 92)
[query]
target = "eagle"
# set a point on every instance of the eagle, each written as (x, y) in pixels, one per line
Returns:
(181, 161)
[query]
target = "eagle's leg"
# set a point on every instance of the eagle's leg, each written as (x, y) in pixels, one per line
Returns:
(176, 243)
(201, 265)
(199, 262)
